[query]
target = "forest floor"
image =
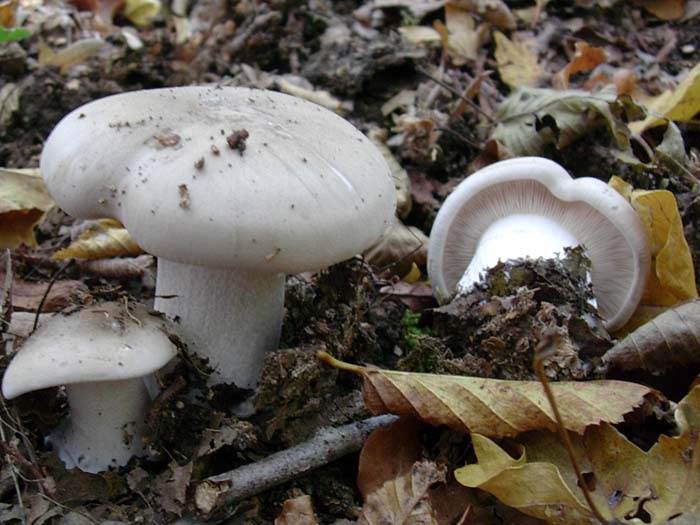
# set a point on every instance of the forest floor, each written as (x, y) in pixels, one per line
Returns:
(444, 89)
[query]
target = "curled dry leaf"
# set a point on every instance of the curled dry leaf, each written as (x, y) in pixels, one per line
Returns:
(398, 487)
(493, 407)
(74, 54)
(398, 249)
(517, 62)
(105, 238)
(297, 511)
(585, 58)
(626, 483)
(671, 339)
(24, 202)
(27, 296)
(495, 12)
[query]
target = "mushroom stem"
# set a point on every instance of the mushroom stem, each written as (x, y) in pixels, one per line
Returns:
(106, 423)
(233, 316)
(516, 236)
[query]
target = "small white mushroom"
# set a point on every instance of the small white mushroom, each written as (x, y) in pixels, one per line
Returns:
(287, 186)
(531, 207)
(104, 355)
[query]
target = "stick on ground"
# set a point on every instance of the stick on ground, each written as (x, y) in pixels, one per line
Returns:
(326, 445)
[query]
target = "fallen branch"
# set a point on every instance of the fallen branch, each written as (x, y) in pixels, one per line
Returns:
(326, 445)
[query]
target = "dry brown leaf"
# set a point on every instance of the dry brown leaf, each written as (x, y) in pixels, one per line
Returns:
(297, 511)
(627, 484)
(27, 296)
(495, 12)
(395, 483)
(493, 407)
(24, 202)
(585, 58)
(105, 238)
(7, 13)
(170, 487)
(670, 339)
(664, 9)
(398, 249)
(517, 62)
(74, 54)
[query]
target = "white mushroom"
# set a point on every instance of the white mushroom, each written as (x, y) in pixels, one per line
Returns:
(104, 355)
(232, 188)
(531, 207)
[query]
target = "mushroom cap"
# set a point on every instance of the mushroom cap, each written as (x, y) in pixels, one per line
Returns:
(308, 190)
(103, 342)
(594, 213)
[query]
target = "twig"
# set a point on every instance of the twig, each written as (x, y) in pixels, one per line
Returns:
(326, 445)
(48, 290)
(544, 349)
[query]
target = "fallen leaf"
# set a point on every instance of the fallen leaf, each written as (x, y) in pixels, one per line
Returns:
(664, 9)
(586, 57)
(626, 483)
(493, 407)
(24, 202)
(399, 488)
(317, 96)
(9, 102)
(398, 249)
(517, 62)
(297, 511)
(672, 276)
(105, 238)
(13, 34)
(464, 38)
(680, 104)
(27, 296)
(530, 119)
(671, 339)
(170, 487)
(142, 12)
(495, 12)
(7, 13)
(74, 54)
(420, 34)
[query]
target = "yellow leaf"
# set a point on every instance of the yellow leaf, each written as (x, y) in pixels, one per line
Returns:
(464, 38)
(672, 278)
(493, 407)
(141, 12)
(517, 63)
(24, 202)
(680, 104)
(626, 482)
(107, 238)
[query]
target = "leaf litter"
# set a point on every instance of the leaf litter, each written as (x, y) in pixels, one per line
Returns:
(441, 94)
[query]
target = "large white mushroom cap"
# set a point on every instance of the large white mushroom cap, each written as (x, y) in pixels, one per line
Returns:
(308, 190)
(585, 209)
(103, 342)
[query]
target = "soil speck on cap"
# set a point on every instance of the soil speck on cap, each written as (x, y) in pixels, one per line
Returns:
(199, 163)
(214, 149)
(184, 196)
(236, 140)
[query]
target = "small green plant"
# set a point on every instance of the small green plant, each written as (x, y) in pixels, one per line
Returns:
(412, 331)
(12, 34)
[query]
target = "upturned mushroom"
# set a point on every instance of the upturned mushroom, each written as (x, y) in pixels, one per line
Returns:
(104, 355)
(531, 207)
(232, 188)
